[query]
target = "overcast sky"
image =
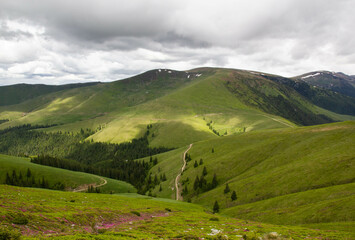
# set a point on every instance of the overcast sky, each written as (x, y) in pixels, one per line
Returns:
(56, 42)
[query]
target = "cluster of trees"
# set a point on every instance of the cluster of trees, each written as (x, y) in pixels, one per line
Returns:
(133, 172)
(200, 183)
(71, 151)
(28, 179)
(92, 189)
(209, 124)
(227, 190)
(151, 182)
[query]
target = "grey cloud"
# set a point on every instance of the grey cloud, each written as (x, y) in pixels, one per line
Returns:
(104, 39)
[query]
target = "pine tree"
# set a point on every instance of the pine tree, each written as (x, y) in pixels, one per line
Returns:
(28, 174)
(196, 183)
(8, 180)
(226, 190)
(195, 164)
(214, 181)
(215, 207)
(156, 181)
(201, 161)
(185, 190)
(160, 188)
(204, 172)
(234, 196)
(212, 150)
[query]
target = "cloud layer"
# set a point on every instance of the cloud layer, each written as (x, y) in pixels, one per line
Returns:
(57, 42)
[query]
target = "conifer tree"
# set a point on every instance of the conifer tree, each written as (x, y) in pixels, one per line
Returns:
(196, 183)
(226, 190)
(28, 174)
(234, 196)
(201, 161)
(214, 181)
(195, 164)
(204, 172)
(215, 207)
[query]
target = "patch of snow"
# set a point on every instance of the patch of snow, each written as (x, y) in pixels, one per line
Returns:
(169, 71)
(159, 70)
(311, 75)
(188, 76)
(198, 74)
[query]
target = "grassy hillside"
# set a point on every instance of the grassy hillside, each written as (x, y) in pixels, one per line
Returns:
(71, 180)
(267, 167)
(36, 213)
(18, 93)
(194, 105)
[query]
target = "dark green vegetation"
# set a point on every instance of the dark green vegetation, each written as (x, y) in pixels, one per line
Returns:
(252, 156)
(62, 215)
(69, 151)
(34, 175)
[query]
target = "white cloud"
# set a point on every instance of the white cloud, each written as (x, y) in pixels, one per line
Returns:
(86, 40)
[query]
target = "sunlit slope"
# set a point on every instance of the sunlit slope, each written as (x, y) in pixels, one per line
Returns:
(183, 107)
(70, 179)
(262, 166)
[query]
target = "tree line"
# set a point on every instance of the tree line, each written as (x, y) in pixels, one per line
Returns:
(70, 151)
(28, 179)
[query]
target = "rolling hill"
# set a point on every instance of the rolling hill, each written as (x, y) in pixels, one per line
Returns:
(193, 105)
(292, 176)
(72, 181)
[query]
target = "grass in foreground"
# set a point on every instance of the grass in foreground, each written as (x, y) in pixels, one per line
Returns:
(40, 213)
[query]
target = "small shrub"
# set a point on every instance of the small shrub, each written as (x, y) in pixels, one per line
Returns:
(7, 234)
(168, 209)
(101, 231)
(136, 213)
(20, 220)
(214, 219)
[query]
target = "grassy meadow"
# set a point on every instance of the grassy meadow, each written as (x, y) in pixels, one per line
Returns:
(37, 213)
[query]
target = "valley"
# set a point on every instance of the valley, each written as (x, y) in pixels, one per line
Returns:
(165, 153)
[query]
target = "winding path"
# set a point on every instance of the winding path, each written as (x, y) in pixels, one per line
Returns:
(84, 187)
(177, 179)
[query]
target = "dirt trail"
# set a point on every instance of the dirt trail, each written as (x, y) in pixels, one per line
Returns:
(84, 187)
(177, 179)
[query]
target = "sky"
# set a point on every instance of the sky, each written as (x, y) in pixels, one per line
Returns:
(66, 41)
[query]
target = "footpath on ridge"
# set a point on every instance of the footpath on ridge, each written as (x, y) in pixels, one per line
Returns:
(177, 179)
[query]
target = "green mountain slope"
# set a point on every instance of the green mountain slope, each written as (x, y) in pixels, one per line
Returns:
(71, 180)
(194, 105)
(266, 169)
(18, 93)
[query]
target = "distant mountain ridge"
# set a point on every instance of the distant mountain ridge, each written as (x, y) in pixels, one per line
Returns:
(203, 102)
(335, 81)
